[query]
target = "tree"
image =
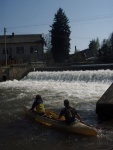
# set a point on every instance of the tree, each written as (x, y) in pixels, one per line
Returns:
(105, 53)
(94, 46)
(47, 53)
(60, 41)
(111, 41)
(47, 38)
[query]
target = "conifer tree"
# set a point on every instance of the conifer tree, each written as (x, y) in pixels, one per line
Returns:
(60, 37)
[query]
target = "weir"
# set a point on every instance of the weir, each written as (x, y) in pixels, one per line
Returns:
(19, 71)
(104, 106)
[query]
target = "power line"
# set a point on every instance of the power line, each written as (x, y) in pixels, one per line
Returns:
(27, 26)
(77, 20)
(93, 18)
(80, 37)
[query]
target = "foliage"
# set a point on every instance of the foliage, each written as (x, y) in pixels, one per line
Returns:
(47, 38)
(111, 41)
(102, 53)
(94, 46)
(48, 57)
(47, 49)
(105, 53)
(60, 41)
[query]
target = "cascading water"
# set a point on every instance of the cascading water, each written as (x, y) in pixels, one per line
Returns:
(82, 88)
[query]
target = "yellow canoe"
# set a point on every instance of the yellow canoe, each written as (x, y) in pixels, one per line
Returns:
(51, 120)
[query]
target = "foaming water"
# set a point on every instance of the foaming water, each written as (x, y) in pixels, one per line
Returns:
(70, 76)
(82, 88)
(79, 85)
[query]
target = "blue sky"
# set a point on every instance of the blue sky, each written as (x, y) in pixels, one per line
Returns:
(88, 19)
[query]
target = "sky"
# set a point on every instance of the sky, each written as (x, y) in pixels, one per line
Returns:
(88, 19)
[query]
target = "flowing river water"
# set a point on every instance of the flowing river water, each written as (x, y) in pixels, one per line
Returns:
(82, 88)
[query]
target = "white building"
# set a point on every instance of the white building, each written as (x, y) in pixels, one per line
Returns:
(21, 48)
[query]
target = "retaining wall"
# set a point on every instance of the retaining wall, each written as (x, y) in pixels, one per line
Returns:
(104, 106)
(14, 72)
(19, 71)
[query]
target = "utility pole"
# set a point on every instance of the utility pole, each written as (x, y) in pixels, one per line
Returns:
(5, 46)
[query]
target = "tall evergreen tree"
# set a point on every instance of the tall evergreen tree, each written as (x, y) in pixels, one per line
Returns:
(60, 37)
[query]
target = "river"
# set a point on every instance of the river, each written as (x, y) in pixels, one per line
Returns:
(82, 88)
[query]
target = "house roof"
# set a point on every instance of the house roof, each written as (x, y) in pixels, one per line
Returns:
(87, 52)
(25, 38)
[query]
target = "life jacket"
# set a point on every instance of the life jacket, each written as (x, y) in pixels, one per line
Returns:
(69, 115)
(40, 108)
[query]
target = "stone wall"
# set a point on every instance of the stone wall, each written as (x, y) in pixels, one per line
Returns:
(14, 72)
(19, 71)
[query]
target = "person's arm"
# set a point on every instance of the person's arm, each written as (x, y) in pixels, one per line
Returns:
(61, 114)
(78, 117)
(33, 106)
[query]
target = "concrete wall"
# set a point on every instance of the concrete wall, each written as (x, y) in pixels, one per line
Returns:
(14, 72)
(104, 106)
(18, 71)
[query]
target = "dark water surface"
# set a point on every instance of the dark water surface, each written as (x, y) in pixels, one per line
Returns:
(19, 132)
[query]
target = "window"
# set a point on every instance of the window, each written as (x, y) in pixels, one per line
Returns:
(9, 50)
(33, 49)
(20, 50)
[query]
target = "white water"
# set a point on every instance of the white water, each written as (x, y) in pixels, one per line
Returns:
(82, 88)
(77, 86)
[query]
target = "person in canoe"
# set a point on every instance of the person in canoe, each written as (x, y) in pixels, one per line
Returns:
(69, 113)
(38, 105)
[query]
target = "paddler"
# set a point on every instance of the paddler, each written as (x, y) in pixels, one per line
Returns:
(38, 105)
(69, 113)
